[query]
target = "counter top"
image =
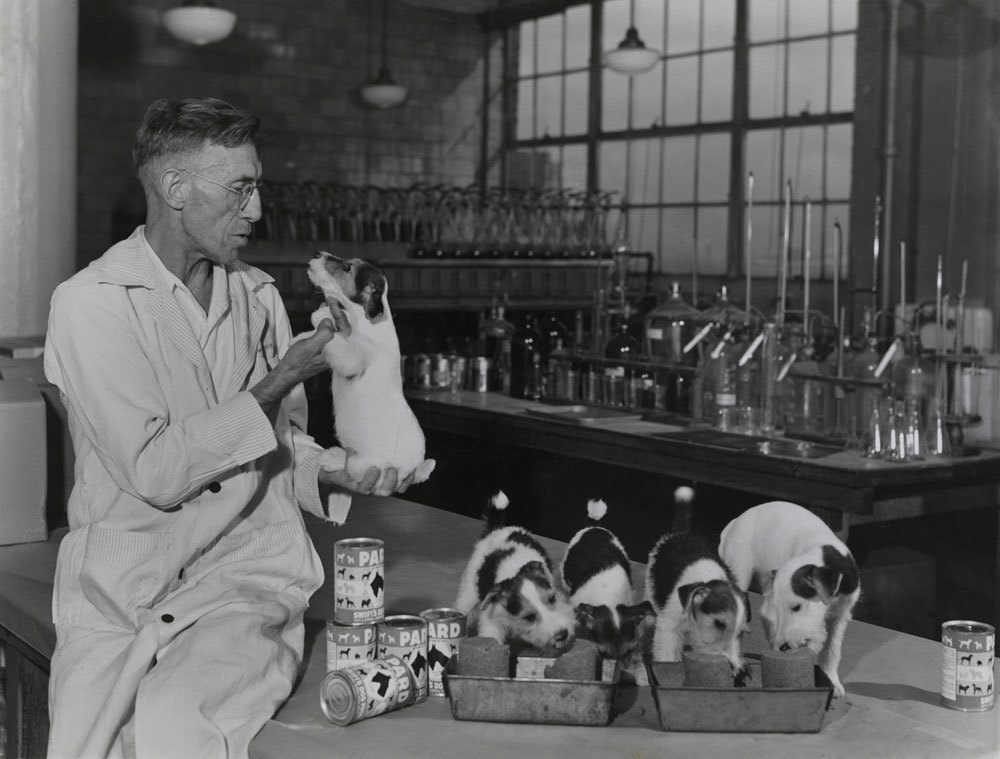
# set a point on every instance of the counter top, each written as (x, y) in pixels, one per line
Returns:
(892, 679)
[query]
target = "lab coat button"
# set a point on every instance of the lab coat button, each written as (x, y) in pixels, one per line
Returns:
(214, 487)
(168, 618)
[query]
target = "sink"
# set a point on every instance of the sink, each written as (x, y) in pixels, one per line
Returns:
(753, 444)
(577, 413)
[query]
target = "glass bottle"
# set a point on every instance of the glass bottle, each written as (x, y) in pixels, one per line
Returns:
(913, 376)
(669, 327)
(553, 332)
(621, 346)
(560, 374)
(524, 344)
(495, 333)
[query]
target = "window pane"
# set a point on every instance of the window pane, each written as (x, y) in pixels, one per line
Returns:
(677, 238)
(577, 36)
(526, 49)
(616, 19)
(842, 96)
(644, 229)
(678, 169)
(717, 87)
(612, 166)
(550, 44)
(808, 17)
(643, 180)
(845, 15)
(549, 123)
(763, 149)
(712, 233)
(767, 76)
(574, 167)
(713, 167)
(767, 19)
(682, 91)
(614, 103)
(804, 161)
(720, 27)
(525, 109)
(807, 77)
(838, 161)
(683, 18)
(766, 239)
(647, 99)
(576, 102)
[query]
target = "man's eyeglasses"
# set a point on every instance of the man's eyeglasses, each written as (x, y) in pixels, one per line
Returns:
(244, 193)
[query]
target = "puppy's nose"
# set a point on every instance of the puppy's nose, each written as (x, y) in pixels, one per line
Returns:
(560, 638)
(319, 254)
(784, 647)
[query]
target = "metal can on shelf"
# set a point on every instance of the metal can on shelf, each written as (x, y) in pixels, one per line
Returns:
(422, 371)
(347, 645)
(366, 690)
(479, 374)
(359, 581)
(445, 628)
(967, 673)
(405, 636)
(440, 371)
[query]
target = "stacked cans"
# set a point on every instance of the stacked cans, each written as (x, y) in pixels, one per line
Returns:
(368, 653)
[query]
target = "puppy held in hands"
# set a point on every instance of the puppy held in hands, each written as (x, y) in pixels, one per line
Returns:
(507, 587)
(807, 575)
(597, 575)
(372, 419)
(698, 605)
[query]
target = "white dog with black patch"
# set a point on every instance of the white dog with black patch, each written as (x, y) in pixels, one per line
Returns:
(507, 587)
(374, 425)
(807, 575)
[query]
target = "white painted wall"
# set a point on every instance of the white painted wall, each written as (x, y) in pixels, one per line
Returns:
(38, 91)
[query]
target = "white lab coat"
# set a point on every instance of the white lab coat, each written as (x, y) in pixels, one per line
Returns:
(181, 585)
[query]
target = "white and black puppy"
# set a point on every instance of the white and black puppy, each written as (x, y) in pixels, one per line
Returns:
(507, 587)
(807, 575)
(373, 422)
(597, 575)
(698, 605)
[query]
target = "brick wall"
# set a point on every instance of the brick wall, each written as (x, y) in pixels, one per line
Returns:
(298, 64)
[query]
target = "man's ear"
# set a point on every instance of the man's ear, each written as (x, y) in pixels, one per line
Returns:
(173, 189)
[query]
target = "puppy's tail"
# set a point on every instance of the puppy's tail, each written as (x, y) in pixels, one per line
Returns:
(596, 509)
(495, 513)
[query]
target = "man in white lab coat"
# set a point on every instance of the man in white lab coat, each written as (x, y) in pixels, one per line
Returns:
(181, 586)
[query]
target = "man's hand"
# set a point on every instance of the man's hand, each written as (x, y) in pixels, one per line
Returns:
(371, 483)
(302, 360)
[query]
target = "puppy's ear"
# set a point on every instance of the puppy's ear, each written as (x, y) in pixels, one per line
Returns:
(501, 595)
(536, 572)
(585, 620)
(638, 612)
(823, 582)
(371, 284)
(688, 594)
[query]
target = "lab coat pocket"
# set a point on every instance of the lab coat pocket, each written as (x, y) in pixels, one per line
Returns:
(123, 571)
(269, 557)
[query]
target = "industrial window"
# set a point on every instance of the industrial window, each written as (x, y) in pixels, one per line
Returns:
(761, 87)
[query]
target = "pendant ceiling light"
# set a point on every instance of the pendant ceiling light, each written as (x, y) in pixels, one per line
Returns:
(631, 57)
(199, 22)
(383, 92)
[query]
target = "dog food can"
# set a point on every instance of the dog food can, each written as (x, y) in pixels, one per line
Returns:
(422, 371)
(967, 676)
(366, 690)
(347, 645)
(445, 628)
(405, 636)
(359, 581)
(479, 374)
(440, 371)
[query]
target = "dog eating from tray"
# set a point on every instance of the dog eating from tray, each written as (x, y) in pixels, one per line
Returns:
(808, 577)
(373, 423)
(508, 590)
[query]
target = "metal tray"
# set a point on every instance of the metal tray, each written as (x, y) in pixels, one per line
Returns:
(577, 413)
(752, 709)
(530, 699)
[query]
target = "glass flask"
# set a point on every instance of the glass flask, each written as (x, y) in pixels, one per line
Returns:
(524, 344)
(913, 376)
(494, 334)
(669, 327)
(621, 346)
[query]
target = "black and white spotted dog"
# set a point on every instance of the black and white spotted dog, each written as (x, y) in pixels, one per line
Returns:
(508, 590)
(597, 575)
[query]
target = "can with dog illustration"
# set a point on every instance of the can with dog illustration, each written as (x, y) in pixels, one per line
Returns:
(405, 636)
(445, 628)
(359, 581)
(366, 690)
(347, 645)
(967, 677)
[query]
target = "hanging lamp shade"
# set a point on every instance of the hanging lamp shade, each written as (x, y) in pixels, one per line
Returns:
(631, 57)
(383, 91)
(199, 23)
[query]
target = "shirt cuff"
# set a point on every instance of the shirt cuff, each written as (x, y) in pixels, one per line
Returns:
(337, 503)
(240, 428)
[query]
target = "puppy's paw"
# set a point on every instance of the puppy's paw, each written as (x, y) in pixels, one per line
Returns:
(321, 313)
(423, 471)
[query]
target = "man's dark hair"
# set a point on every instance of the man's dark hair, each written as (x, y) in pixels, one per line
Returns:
(179, 126)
